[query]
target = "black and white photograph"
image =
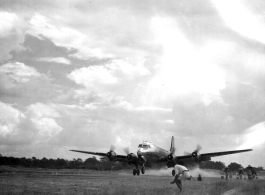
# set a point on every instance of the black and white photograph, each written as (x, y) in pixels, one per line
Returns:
(153, 97)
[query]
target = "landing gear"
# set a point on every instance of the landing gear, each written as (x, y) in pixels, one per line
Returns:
(143, 170)
(173, 172)
(136, 171)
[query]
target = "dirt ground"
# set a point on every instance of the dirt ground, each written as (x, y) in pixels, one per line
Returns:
(93, 182)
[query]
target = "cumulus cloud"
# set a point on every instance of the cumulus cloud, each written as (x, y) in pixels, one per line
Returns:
(37, 124)
(42, 116)
(9, 118)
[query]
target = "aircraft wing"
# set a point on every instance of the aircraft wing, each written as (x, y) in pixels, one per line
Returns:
(213, 154)
(100, 154)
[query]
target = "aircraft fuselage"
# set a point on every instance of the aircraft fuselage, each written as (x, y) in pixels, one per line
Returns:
(151, 152)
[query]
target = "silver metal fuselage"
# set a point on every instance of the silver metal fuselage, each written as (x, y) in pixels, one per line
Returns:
(151, 152)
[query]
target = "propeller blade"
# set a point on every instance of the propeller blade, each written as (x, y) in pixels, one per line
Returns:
(126, 150)
(187, 153)
(112, 147)
(198, 148)
(173, 150)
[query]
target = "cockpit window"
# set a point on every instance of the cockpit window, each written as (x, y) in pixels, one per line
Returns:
(143, 146)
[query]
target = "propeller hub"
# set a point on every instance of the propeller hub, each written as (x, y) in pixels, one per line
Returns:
(170, 157)
(194, 154)
(129, 157)
(108, 154)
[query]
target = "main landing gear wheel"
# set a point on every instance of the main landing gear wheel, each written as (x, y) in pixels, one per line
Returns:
(143, 170)
(138, 172)
(134, 172)
(173, 172)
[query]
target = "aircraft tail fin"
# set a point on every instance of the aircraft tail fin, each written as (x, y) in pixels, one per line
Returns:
(172, 146)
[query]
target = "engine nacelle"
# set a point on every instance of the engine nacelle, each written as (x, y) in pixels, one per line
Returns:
(132, 158)
(195, 155)
(111, 155)
(170, 157)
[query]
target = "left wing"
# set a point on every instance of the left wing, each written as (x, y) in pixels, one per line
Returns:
(111, 155)
(206, 156)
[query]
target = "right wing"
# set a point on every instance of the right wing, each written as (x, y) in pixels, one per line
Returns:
(207, 156)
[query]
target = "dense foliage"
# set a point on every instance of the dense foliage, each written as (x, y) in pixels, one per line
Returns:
(94, 164)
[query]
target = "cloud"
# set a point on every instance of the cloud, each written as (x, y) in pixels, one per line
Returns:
(19, 72)
(182, 68)
(111, 73)
(60, 60)
(37, 124)
(9, 118)
(241, 20)
(42, 116)
(23, 84)
(65, 37)
(138, 71)
(12, 33)
(253, 137)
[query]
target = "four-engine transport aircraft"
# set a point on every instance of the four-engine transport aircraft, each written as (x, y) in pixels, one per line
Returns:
(148, 154)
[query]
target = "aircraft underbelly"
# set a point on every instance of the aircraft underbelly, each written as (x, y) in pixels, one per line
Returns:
(151, 157)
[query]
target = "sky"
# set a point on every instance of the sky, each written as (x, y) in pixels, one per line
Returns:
(78, 74)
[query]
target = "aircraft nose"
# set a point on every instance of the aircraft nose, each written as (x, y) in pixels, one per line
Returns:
(140, 151)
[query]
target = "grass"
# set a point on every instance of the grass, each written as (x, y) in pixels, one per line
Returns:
(244, 187)
(95, 183)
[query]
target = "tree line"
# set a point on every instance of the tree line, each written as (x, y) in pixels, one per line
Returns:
(90, 163)
(94, 164)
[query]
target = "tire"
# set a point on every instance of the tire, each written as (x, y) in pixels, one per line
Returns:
(134, 172)
(173, 172)
(143, 170)
(138, 172)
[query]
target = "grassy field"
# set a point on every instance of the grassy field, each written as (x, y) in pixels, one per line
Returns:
(93, 182)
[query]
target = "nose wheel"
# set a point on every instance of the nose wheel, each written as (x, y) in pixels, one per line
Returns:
(143, 170)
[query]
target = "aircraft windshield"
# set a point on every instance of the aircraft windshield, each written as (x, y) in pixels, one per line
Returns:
(143, 146)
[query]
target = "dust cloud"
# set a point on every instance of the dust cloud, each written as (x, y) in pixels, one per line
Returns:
(194, 172)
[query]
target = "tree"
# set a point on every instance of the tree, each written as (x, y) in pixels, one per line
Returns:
(212, 165)
(234, 166)
(44, 163)
(61, 163)
(91, 163)
(260, 168)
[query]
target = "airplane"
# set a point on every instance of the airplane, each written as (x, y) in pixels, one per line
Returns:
(148, 154)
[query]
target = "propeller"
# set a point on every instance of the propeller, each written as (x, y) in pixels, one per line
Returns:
(198, 148)
(112, 148)
(130, 156)
(195, 152)
(173, 150)
(126, 150)
(111, 154)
